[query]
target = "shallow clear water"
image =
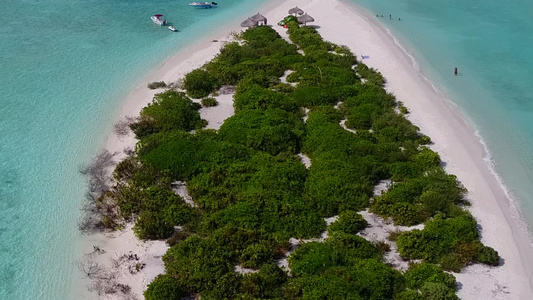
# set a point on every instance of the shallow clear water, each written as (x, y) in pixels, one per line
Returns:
(490, 43)
(65, 67)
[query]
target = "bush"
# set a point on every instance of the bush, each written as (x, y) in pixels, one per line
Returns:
(164, 287)
(432, 290)
(453, 262)
(401, 107)
(272, 130)
(200, 264)
(409, 295)
(160, 210)
(157, 85)
(419, 274)
(339, 249)
(177, 237)
(370, 74)
(427, 159)
(257, 97)
(349, 222)
(266, 284)
(199, 83)
(256, 255)
(209, 101)
(168, 111)
(450, 242)
(487, 255)
(362, 279)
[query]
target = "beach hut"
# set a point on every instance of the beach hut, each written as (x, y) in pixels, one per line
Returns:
(305, 19)
(249, 23)
(296, 11)
(259, 18)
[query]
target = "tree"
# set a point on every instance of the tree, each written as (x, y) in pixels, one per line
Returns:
(164, 287)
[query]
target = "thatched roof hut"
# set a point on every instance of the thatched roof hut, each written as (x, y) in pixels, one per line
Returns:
(296, 11)
(305, 19)
(249, 23)
(259, 18)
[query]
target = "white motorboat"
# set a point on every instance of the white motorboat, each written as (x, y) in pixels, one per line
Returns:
(203, 4)
(159, 20)
(172, 28)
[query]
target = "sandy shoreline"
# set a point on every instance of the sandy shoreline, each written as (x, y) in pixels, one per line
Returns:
(454, 139)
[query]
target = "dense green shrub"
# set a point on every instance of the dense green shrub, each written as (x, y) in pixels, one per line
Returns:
(308, 95)
(438, 238)
(257, 97)
(159, 211)
(164, 287)
(409, 295)
(339, 250)
(209, 101)
(487, 255)
(432, 290)
(199, 83)
(260, 37)
(266, 284)
(272, 130)
(453, 243)
(168, 111)
(363, 279)
(349, 221)
(256, 255)
(369, 74)
(199, 264)
(415, 200)
(264, 192)
(419, 274)
(392, 127)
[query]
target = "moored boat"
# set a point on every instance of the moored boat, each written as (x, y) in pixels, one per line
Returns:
(159, 20)
(203, 4)
(172, 28)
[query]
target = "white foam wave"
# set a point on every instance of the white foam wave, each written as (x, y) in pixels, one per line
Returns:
(514, 205)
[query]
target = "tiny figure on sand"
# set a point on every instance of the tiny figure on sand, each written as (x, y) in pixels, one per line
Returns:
(455, 71)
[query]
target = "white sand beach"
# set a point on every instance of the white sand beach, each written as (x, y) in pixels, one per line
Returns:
(454, 139)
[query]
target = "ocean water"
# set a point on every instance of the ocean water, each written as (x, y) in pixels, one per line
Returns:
(490, 42)
(65, 67)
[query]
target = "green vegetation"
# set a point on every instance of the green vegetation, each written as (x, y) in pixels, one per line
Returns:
(157, 85)
(168, 111)
(209, 102)
(252, 194)
(164, 287)
(349, 222)
(452, 243)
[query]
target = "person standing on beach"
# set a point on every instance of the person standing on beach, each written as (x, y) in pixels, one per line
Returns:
(390, 17)
(455, 71)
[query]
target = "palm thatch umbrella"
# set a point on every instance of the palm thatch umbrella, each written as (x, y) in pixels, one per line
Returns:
(296, 11)
(249, 23)
(305, 19)
(259, 18)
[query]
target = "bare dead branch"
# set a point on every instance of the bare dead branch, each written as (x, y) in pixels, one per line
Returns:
(122, 127)
(90, 268)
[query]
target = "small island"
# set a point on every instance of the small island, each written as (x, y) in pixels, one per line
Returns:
(279, 202)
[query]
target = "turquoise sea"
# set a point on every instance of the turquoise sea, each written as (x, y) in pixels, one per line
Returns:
(490, 43)
(65, 67)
